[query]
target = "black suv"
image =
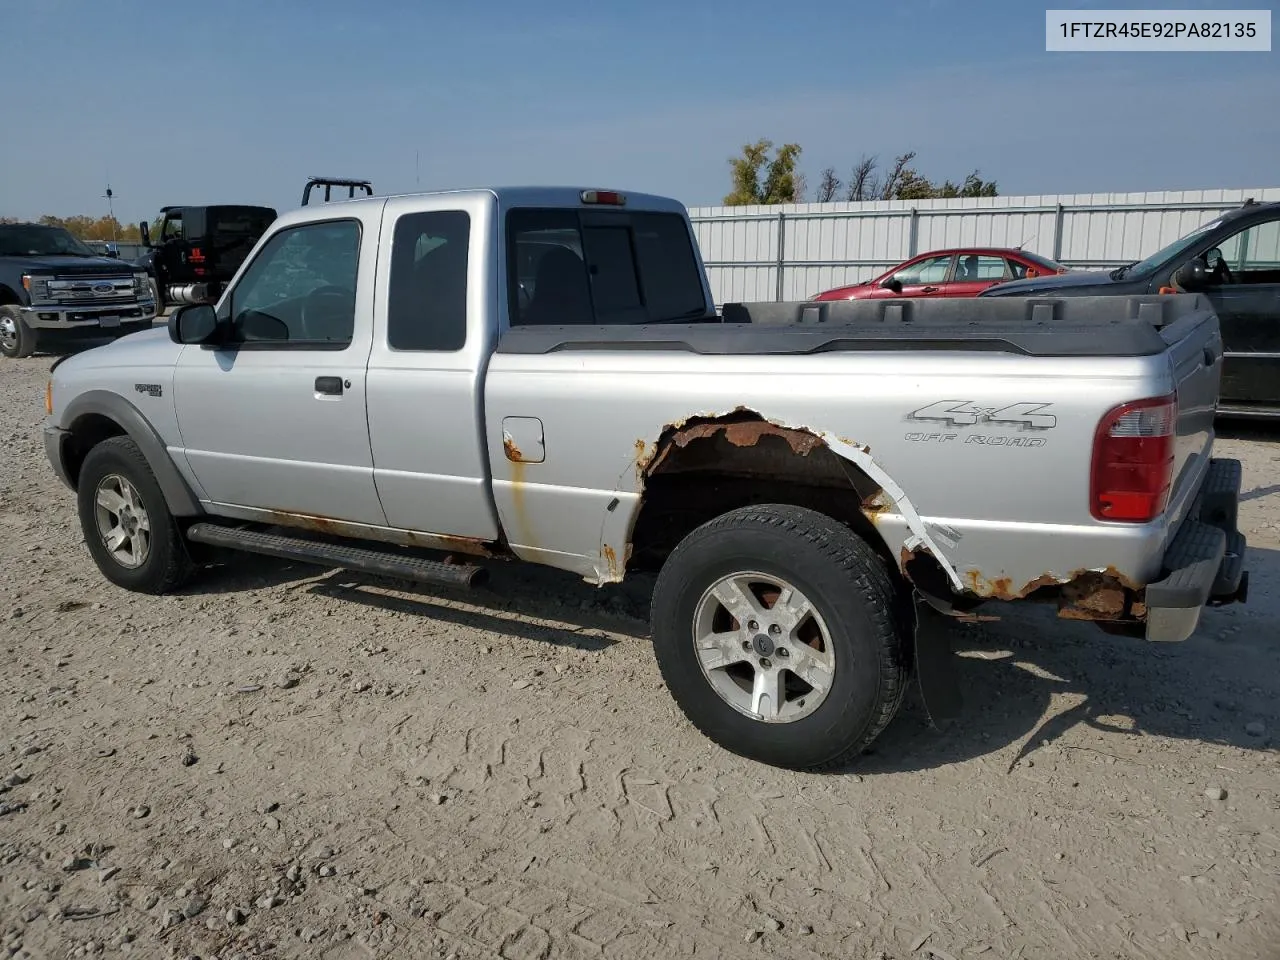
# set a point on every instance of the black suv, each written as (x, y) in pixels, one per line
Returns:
(1234, 260)
(54, 288)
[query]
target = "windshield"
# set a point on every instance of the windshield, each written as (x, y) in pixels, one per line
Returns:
(1165, 254)
(32, 240)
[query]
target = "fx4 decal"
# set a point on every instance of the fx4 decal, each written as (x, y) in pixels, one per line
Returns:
(150, 389)
(964, 413)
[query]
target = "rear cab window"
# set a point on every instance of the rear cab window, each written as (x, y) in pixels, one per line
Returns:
(601, 267)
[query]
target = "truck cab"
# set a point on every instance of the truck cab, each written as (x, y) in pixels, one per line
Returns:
(194, 250)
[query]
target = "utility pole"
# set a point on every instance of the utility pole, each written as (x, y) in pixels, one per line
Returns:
(111, 210)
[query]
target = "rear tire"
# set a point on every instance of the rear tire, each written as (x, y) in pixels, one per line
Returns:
(135, 541)
(821, 665)
(17, 340)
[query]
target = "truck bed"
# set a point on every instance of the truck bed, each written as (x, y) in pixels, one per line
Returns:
(1044, 327)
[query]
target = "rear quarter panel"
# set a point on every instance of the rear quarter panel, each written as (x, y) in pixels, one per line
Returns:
(1005, 503)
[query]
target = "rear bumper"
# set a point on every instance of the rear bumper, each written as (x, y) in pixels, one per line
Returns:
(1205, 561)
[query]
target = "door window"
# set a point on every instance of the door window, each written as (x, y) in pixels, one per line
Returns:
(427, 294)
(1250, 255)
(971, 268)
(301, 288)
(1261, 248)
(929, 270)
(172, 228)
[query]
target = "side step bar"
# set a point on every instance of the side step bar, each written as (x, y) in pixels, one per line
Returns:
(379, 562)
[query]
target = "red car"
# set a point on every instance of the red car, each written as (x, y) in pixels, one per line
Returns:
(949, 273)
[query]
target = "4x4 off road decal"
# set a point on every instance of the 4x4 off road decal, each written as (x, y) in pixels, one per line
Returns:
(965, 413)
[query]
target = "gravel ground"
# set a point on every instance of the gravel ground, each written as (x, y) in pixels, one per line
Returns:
(288, 762)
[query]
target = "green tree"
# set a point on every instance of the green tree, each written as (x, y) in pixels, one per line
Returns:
(758, 178)
(94, 228)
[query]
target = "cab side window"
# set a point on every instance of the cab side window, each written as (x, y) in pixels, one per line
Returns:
(427, 293)
(301, 288)
(171, 229)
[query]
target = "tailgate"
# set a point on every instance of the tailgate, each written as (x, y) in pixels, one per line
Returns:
(1195, 348)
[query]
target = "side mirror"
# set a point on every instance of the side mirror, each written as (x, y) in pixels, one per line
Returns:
(1192, 275)
(113, 251)
(891, 283)
(193, 323)
(144, 231)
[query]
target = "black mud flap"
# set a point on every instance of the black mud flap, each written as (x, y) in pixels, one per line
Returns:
(935, 663)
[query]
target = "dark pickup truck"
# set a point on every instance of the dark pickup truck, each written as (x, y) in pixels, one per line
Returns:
(53, 288)
(1234, 260)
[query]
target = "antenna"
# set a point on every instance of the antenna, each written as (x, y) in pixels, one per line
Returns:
(417, 177)
(1023, 243)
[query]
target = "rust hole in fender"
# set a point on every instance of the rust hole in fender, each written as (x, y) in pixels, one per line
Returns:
(741, 428)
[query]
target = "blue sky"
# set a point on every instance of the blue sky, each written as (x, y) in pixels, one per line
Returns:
(241, 100)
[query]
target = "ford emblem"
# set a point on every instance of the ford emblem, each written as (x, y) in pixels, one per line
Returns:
(103, 287)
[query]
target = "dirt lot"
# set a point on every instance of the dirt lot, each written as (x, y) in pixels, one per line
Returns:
(284, 762)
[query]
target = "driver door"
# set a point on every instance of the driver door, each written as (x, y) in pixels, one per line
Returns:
(275, 422)
(924, 277)
(1245, 293)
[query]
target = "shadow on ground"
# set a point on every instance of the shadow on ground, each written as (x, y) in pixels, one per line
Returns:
(1207, 689)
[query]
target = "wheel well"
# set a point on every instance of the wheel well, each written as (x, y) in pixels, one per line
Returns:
(709, 466)
(8, 297)
(86, 432)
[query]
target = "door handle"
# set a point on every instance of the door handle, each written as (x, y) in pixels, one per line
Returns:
(930, 290)
(329, 386)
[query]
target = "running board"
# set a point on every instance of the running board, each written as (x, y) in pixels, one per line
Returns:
(379, 562)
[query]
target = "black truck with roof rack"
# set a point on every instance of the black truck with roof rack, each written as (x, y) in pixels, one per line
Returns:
(194, 251)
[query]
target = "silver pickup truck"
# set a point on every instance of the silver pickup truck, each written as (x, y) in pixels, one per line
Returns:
(541, 375)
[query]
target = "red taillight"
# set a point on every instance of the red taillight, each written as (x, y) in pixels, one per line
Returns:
(1133, 460)
(610, 197)
(197, 255)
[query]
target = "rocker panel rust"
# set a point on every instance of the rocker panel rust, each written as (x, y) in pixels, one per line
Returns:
(359, 531)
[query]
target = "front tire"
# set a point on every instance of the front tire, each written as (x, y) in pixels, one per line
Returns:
(17, 340)
(135, 541)
(782, 636)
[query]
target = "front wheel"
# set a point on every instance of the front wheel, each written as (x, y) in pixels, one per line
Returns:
(17, 340)
(127, 527)
(781, 636)
(155, 295)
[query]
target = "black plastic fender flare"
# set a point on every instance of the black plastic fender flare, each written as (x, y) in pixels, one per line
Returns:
(179, 498)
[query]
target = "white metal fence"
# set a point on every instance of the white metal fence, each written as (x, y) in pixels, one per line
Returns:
(792, 251)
